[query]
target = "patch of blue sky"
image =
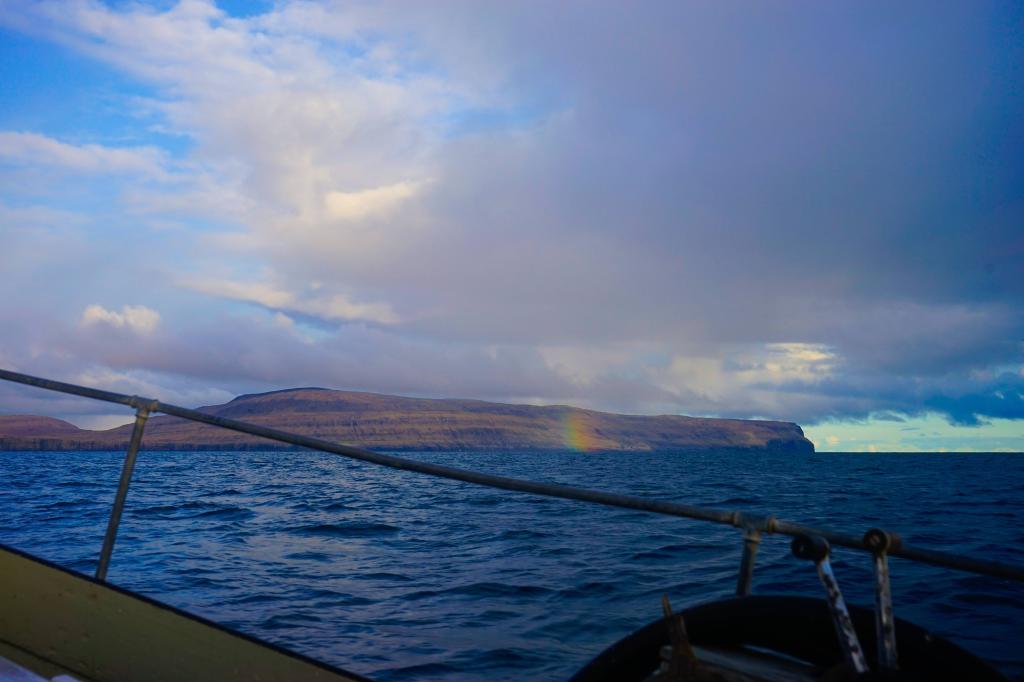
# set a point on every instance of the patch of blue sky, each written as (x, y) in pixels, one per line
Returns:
(314, 329)
(462, 121)
(929, 433)
(53, 91)
(174, 226)
(97, 198)
(234, 8)
(154, 5)
(319, 327)
(242, 9)
(310, 327)
(347, 54)
(654, 358)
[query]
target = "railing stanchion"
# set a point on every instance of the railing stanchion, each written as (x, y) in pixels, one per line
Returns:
(816, 549)
(763, 525)
(751, 542)
(141, 414)
(880, 542)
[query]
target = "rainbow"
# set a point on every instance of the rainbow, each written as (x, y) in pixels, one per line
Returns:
(578, 434)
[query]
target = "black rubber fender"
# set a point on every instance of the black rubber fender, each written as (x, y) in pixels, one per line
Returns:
(796, 626)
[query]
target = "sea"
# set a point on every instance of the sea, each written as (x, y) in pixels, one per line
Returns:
(399, 576)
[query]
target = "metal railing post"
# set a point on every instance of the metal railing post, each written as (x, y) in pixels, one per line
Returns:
(751, 541)
(880, 543)
(769, 524)
(817, 549)
(752, 527)
(141, 414)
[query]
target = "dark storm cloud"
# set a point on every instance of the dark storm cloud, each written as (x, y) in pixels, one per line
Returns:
(744, 175)
(846, 176)
(1003, 397)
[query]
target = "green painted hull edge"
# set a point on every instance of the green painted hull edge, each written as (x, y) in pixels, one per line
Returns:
(103, 633)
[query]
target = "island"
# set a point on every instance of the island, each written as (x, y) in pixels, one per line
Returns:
(387, 422)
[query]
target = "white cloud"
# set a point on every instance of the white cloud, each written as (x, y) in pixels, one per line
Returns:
(283, 321)
(378, 201)
(646, 230)
(136, 318)
(36, 217)
(39, 150)
(786, 362)
(586, 365)
(316, 303)
(746, 379)
(150, 385)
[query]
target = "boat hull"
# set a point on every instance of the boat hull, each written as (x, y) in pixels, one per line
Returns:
(796, 627)
(53, 619)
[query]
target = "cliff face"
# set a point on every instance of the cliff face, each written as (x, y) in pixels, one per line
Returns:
(395, 423)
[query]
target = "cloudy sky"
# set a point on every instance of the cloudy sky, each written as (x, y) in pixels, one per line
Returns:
(803, 211)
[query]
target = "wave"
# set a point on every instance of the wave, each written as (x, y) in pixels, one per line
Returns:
(346, 530)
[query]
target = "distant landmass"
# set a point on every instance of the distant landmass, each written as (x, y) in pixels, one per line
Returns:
(386, 422)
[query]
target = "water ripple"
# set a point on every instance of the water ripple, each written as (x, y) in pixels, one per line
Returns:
(401, 577)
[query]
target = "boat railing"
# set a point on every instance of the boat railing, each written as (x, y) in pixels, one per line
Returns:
(875, 541)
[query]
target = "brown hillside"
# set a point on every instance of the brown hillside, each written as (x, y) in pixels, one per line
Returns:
(396, 423)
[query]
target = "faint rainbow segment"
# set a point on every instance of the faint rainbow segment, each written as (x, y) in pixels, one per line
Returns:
(579, 435)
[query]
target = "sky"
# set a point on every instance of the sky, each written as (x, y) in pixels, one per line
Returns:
(804, 211)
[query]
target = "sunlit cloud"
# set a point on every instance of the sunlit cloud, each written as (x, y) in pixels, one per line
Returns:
(368, 202)
(135, 318)
(315, 303)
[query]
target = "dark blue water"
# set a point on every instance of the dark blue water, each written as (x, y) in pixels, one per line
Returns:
(399, 576)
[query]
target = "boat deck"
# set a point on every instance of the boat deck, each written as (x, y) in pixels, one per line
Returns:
(21, 666)
(95, 631)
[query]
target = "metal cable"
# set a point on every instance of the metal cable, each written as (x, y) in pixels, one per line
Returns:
(741, 520)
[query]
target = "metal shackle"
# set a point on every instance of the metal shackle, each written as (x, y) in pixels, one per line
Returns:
(811, 548)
